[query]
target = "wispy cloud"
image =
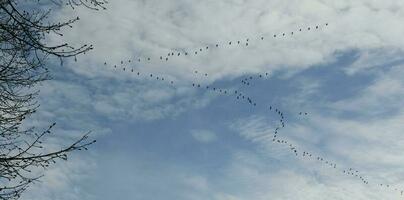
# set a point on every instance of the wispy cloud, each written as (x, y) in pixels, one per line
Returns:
(204, 136)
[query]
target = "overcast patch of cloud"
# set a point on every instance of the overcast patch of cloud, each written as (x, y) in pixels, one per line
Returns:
(133, 29)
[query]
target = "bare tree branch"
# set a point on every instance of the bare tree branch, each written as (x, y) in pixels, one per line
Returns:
(23, 56)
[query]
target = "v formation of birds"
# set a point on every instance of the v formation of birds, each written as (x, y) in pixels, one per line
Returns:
(241, 96)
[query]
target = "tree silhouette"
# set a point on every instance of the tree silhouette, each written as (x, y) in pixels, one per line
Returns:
(23, 54)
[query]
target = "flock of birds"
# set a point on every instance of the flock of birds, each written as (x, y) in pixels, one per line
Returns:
(242, 96)
(183, 53)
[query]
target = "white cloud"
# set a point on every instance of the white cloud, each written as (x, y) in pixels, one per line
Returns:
(63, 181)
(382, 96)
(129, 29)
(203, 136)
(199, 183)
(371, 143)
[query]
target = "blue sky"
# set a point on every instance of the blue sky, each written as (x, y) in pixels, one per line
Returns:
(158, 140)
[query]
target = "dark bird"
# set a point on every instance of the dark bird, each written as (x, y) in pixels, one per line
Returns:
(274, 35)
(262, 38)
(217, 45)
(186, 53)
(178, 54)
(161, 57)
(105, 63)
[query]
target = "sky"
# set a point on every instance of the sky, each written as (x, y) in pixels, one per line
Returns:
(177, 141)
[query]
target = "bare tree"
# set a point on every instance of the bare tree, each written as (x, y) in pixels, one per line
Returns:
(23, 56)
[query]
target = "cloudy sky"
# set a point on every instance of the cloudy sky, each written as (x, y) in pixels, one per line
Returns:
(175, 141)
